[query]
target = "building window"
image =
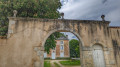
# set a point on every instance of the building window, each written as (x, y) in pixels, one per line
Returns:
(61, 47)
(61, 42)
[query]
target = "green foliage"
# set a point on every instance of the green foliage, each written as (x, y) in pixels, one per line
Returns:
(47, 64)
(28, 8)
(69, 62)
(50, 42)
(3, 31)
(74, 48)
(47, 58)
(63, 58)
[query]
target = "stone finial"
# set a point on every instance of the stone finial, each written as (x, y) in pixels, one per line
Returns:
(15, 13)
(62, 14)
(67, 36)
(103, 17)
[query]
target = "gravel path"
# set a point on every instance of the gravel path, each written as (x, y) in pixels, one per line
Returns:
(52, 63)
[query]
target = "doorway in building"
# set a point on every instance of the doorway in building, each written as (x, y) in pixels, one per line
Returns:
(53, 56)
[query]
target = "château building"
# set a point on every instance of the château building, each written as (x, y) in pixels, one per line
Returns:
(61, 50)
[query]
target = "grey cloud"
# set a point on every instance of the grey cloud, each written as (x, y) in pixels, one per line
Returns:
(104, 1)
(92, 10)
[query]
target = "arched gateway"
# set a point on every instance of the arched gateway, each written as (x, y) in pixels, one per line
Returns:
(24, 46)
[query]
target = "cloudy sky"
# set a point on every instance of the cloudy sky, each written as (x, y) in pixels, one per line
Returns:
(92, 10)
(70, 35)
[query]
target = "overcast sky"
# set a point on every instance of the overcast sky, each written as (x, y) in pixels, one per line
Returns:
(70, 35)
(92, 10)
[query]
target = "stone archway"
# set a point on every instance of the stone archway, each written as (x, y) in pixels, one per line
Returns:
(26, 38)
(76, 34)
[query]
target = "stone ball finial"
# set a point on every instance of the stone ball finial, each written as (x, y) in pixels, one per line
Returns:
(15, 13)
(103, 17)
(62, 14)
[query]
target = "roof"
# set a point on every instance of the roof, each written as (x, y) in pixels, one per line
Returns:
(63, 38)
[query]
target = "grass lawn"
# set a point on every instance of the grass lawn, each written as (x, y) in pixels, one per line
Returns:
(47, 64)
(70, 62)
(56, 65)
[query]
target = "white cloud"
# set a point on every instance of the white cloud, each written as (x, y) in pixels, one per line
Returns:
(92, 10)
(70, 35)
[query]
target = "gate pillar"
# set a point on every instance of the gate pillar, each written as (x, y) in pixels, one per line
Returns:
(87, 57)
(40, 59)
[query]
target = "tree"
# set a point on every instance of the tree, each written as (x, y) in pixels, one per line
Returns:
(50, 42)
(27, 8)
(30, 8)
(74, 48)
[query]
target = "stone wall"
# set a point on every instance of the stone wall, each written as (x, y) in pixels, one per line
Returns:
(24, 46)
(115, 36)
(3, 42)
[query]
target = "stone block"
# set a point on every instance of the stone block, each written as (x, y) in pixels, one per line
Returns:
(111, 62)
(37, 64)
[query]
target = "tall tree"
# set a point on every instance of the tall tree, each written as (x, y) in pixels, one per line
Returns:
(30, 8)
(27, 8)
(74, 48)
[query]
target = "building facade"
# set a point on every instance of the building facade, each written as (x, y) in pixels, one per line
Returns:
(61, 50)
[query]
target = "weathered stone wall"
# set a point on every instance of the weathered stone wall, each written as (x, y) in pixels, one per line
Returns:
(26, 38)
(3, 42)
(115, 36)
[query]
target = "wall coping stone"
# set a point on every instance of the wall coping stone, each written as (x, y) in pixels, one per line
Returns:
(114, 26)
(64, 20)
